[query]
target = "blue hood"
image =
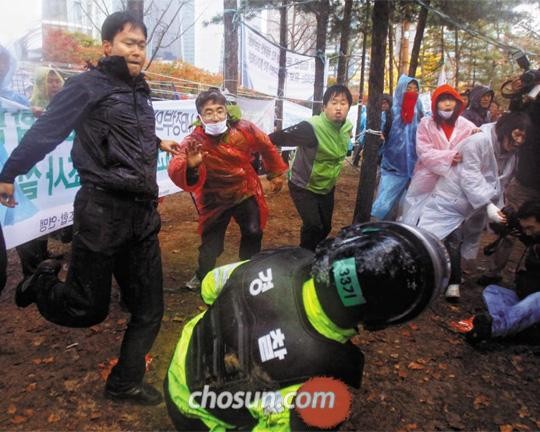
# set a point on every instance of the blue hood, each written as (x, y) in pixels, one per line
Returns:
(5, 82)
(399, 151)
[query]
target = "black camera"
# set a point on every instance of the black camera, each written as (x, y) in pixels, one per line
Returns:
(511, 227)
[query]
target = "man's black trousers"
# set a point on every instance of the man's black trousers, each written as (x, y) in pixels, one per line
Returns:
(315, 210)
(113, 233)
(246, 215)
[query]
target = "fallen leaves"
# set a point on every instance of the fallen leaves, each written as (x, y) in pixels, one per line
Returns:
(481, 401)
(415, 366)
(45, 360)
(53, 418)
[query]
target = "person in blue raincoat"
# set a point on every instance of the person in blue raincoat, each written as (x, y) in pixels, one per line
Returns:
(399, 151)
(11, 101)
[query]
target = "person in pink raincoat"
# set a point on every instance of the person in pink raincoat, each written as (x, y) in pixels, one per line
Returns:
(436, 141)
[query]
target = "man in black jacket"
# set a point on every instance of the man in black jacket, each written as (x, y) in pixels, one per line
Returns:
(115, 218)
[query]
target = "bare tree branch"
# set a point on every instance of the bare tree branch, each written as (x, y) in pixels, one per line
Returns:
(160, 20)
(149, 8)
(84, 11)
(166, 28)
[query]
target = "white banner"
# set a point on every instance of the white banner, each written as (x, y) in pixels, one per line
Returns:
(258, 111)
(260, 65)
(46, 193)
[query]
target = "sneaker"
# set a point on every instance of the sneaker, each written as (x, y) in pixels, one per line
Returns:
(26, 291)
(486, 280)
(452, 292)
(481, 330)
(142, 394)
(194, 284)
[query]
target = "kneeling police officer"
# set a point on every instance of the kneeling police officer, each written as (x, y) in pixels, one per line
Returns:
(288, 315)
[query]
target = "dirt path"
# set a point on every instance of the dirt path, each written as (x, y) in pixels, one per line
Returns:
(419, 376)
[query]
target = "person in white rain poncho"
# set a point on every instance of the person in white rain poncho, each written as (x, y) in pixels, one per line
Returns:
(474, 185)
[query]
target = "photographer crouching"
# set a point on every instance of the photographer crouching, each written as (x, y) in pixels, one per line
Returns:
(510, 312)
(524, 95)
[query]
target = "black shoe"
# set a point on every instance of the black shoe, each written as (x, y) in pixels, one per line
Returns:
(481, 330)
(142, 394)
(25, 293)
(486, 280)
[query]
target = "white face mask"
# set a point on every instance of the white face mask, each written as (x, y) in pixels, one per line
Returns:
(215, 128)
(445, 114)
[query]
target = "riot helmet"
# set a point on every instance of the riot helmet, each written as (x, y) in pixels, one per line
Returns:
(379, 274)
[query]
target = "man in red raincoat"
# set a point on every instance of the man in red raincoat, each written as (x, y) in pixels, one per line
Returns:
(214, 163)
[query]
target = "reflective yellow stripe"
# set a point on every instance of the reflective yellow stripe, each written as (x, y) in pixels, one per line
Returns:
(213, 282)
(178, 388)
(319, 319)
(274, 422)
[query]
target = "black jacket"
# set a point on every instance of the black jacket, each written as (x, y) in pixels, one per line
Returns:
(115, 146)
(528, 172)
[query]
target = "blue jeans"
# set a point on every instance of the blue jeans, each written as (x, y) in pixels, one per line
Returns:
(391, 189)
(510, 315)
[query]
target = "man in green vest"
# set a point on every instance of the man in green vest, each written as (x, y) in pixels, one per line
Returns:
(288, 315)
(322, 143)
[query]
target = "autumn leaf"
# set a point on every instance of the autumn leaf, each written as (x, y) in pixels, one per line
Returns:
(523, 412)
(12, 409)
(48, 360)
(18, 419)
(36, 361)
(411, 427)
(415, 366)
(506, 428)
(403, 374)
(31, 387)
(53, 418)
(481, 401)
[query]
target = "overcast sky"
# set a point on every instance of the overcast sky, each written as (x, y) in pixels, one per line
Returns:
(17, 17)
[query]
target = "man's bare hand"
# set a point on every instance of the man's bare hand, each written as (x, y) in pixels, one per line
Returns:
(194, 154)
(170, 146)
(276, 184)
(6, 195)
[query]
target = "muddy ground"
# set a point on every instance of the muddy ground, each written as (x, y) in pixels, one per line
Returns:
(419, 376)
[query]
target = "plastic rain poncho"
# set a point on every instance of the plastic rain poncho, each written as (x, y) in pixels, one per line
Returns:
(398, 154)
(470, 185)
(40, 94)
(435, 153)
(6, 91)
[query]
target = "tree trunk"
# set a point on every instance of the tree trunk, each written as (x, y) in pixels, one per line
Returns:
(323, 11)
(404, 51)
(136, 8)
(230, 53)
(368, 171)
(457, 55)
(343, 61)
(390, 59)
(282, 63)
(356, 158)
(422, 18)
